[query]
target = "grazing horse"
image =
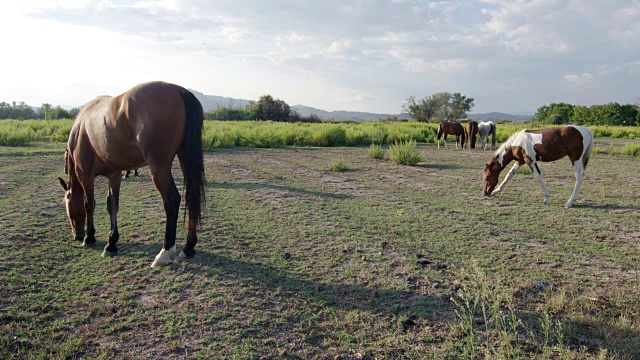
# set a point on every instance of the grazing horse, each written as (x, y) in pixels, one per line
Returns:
(485, 129)
(472, 131)
(451, 128)
(147, 125)
(530, 146)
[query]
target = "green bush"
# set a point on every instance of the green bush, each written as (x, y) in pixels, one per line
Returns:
(631, 150)
(405, 153)
(376, 152)
(338, 165)
(328, 135)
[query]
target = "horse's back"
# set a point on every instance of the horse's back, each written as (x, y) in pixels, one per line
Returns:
(144, 122)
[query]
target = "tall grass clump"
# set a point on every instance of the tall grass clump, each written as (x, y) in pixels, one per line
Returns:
(338, 165)
(405, 153)
(376, 152)
(631, 149)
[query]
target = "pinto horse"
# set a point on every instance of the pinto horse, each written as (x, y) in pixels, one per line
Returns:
(472, 131)
(485, 129)
(530, 146)
(147, 125)
(451, 128)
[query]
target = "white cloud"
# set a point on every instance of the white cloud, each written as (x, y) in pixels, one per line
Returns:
(581, 79)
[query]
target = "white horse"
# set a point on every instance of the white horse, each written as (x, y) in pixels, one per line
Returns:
(486, 128)
(531, 146)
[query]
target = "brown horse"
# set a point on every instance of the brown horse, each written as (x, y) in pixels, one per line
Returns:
(147, 125)
(472, 132)
(530, 146)
(451, 128)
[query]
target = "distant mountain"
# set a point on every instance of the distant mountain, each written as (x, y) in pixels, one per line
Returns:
(344, 115)
(212, 102)
(499, 116)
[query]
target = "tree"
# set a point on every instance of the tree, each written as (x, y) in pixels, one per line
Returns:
(268, 108)
(44, 111)
(442, 105)
(460, 105)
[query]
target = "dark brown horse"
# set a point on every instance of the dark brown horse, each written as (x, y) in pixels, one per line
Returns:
(530, 146)
(472, 132)
(451, 128)
(147, 125)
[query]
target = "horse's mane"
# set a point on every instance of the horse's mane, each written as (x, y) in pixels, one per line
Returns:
(507, 143)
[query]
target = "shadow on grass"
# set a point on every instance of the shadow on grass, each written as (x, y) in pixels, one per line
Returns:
(607, 206)
(257, 186)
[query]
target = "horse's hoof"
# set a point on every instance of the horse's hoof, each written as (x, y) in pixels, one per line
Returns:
(88, 243)
(163, 257)
(106, 253)
(184, 255)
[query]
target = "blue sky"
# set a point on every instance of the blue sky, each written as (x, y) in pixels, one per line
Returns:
(361, 55)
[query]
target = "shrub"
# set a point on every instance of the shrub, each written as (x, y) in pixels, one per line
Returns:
(338, 165)
(405, 153)
(376, 152)
(611, 150)
(328, 135)
(631, 149)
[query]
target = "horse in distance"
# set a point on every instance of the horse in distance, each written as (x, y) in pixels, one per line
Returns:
(147, 125)
(530, 146)
(451, 128)
(486, 128)
(472, 131)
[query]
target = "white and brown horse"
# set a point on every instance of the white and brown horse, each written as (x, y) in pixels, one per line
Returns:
(486, 128)
(451, 128)
(147, 125)
(530, 146)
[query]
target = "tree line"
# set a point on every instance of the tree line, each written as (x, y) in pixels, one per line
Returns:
(608, 114)
(22, 111)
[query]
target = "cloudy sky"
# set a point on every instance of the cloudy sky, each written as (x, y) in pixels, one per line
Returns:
(361, 55)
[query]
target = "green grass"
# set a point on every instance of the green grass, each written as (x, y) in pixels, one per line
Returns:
(297, 261)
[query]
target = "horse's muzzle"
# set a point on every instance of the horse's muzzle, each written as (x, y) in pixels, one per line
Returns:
(487, 193)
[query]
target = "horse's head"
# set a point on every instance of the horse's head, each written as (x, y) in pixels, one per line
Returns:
(491, 173)
(73, 199)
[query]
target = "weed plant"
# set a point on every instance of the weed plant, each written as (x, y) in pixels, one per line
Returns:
(405, 153)
(376, 152)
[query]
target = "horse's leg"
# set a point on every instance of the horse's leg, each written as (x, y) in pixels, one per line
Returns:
(89, 207)
(113, 204)
(163, 180)
(188, 250)
(538, 175)
(445, 141)
(578, 169)
(510, 174)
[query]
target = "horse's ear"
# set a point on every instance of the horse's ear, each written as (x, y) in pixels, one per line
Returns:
(64, 184)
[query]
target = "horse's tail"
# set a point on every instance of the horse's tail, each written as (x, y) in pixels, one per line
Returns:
(587, 154)
(192, 157)
(493, 135)
(440, 131)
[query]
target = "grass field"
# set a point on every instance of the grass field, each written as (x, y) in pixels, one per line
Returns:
(296, 261)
